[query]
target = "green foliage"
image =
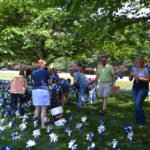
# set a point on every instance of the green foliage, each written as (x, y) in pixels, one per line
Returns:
(31, 30)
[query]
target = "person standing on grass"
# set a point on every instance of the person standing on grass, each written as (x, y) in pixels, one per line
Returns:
(83, 82)
(17, 93)
(106, 74)
(141, 75)
(40, 90)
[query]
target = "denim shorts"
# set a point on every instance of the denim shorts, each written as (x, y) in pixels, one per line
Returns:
(41, 97)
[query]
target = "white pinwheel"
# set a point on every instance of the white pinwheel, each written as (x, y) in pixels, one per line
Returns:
(23, 127)
(101, 129)
(72, 144)
(130, 135)
(92, 146)
(31, 143)
(10, 124)
(79, 126)
(115, 143)
(35, 123)
(69, 131)
(15, 136)
(62, 122)
(89, 136)
(5, 115)
(17, 114)
(83, 119)
(53, 137)
(36, 133)
(25, 116)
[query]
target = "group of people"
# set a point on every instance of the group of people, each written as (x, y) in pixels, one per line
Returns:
(42, 78)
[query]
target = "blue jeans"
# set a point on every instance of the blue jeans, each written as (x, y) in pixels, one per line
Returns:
(81, 96)
(92, 94)
(139, 96)
(14, 100)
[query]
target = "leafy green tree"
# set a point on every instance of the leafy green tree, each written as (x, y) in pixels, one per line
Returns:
(31, 30)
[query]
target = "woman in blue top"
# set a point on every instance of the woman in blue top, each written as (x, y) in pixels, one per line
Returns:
(40, 90)
(141, 75)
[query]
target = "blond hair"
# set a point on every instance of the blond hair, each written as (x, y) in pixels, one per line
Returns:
(141, 58)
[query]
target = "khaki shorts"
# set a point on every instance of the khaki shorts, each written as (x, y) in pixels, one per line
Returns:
(104, 89)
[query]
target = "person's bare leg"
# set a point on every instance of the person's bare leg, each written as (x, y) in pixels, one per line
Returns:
(43, 114)
(104, 103)
(37, 111)
(63, 100)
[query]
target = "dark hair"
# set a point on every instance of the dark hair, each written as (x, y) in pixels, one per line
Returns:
(104, 57)
(28, 72)
(21, 72)
(80, 65)
(69, 80)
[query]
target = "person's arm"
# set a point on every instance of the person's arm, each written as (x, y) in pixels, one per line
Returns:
(114, 79)
(145, 79)
(113, 74)
(96, 79)
(32, 80)
(25, 83)
(131, 75)
(49, 81)
(75, 78)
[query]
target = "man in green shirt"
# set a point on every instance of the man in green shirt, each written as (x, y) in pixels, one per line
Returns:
(106, 74)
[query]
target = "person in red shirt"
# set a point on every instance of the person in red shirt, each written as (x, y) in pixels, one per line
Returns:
(80, 69)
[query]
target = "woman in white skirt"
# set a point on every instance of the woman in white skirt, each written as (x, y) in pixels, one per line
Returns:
(40, 90)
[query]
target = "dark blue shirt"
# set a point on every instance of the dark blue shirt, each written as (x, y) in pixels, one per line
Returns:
(40, 78)
(141, 84)
(66, 86)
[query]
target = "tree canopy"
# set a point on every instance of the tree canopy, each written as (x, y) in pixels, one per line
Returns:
(31, 29)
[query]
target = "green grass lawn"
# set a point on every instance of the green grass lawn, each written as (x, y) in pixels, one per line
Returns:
(7, 75)
(120, 113)
(124, 84)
